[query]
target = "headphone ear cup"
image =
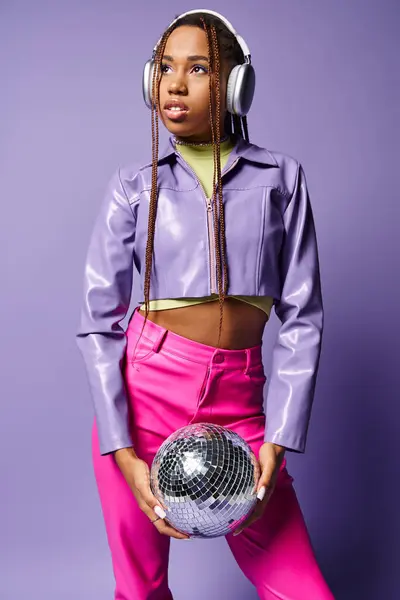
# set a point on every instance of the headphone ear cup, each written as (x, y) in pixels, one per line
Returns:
(240, 89)
(146, 83)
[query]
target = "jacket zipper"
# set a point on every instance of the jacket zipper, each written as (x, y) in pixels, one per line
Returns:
(211, 246)
(211, 238)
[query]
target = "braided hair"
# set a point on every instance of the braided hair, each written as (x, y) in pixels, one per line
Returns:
(221, 43)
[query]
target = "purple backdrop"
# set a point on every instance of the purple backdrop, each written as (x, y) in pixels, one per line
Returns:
(71, 111)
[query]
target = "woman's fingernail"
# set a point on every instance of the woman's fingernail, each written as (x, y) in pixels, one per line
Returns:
(238, 532)
(187, 539)
(159, 512)
(261, 493)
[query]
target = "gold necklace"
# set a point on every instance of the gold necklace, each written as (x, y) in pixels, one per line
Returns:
(183, 143)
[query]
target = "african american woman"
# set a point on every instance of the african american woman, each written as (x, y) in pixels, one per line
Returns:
(220, 231)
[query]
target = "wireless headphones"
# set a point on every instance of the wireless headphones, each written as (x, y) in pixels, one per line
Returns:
(241, 81)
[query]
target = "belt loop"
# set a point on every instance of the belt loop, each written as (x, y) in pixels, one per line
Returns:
(158, 342)
(247, 361)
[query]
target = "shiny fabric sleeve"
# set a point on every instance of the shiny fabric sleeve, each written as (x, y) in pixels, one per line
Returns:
(296, 353)
(108, 277)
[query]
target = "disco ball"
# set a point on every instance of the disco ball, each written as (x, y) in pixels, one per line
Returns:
(206, 476)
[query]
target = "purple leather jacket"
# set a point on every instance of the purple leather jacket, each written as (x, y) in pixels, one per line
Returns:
(271, 250)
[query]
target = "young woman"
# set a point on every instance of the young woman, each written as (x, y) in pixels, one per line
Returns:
(220, 230)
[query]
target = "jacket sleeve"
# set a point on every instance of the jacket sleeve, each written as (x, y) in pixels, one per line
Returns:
(296, 354)
(108, 275)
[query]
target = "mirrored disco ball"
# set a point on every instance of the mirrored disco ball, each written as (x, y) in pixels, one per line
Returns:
(206, 476)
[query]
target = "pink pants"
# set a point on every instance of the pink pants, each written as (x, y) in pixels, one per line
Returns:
(171, 382)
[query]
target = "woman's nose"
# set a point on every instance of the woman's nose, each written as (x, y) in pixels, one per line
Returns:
(177, 83)
(177, 87)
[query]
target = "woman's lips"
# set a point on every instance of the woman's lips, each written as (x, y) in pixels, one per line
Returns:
(176, 115)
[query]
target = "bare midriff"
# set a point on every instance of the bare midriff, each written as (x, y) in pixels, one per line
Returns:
(243, 324)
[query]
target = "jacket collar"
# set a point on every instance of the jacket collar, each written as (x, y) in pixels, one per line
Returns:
(242, 149)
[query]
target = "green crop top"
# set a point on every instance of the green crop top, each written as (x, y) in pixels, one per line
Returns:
(201, 159)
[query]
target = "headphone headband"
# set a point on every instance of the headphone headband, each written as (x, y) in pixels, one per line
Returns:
(240, 40)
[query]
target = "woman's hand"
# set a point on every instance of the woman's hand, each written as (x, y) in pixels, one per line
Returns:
(137, 475)
(270, 458)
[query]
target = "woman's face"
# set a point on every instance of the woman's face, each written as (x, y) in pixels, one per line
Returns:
(185, 80)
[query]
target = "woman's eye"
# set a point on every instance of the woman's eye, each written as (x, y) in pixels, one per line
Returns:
(164, 68)
(200, 67)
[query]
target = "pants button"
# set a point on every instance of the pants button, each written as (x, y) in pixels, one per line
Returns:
(218, 358)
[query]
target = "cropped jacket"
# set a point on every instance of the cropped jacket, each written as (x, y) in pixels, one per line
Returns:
(271, 251)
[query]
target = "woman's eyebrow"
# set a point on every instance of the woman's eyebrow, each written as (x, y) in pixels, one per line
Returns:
(191, 58)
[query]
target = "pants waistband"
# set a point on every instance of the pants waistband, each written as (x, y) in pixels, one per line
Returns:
(192, 350)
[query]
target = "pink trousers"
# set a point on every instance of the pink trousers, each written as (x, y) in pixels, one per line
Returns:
(171, 382)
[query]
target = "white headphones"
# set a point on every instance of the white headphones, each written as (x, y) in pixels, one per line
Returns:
(241, 81)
